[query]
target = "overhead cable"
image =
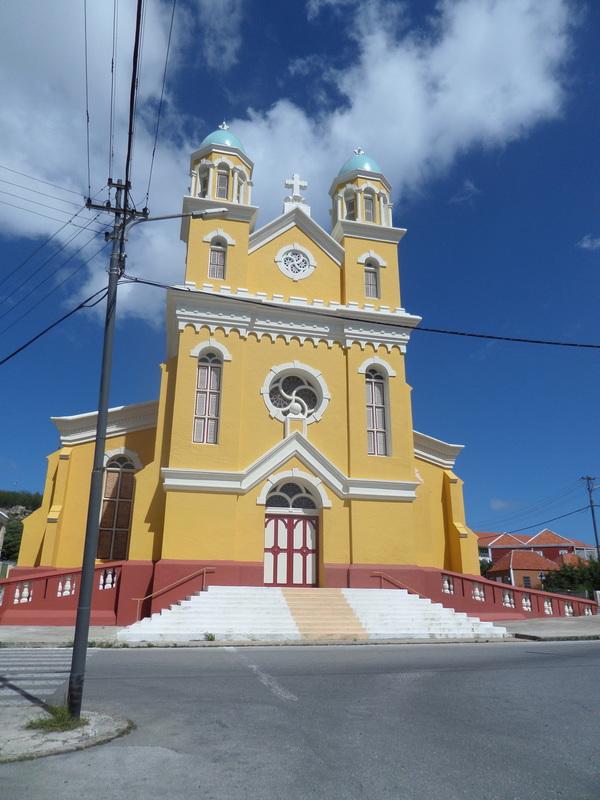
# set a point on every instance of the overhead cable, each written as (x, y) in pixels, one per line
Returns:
(553, 519)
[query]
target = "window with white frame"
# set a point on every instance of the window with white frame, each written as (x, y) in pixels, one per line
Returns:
(208, 399)
(377, 423)
(203, 182)
(350, 201)
(223, 182)
(240, 189)
(117, 502)
(217, 259)
(371, 278)
(369, 201)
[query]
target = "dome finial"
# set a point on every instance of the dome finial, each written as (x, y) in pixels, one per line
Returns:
(224, 126)
(358, 151)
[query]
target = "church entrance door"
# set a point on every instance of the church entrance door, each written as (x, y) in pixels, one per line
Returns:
(290, 549)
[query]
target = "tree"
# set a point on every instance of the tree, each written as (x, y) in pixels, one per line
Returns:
(484, 566)
(12, 540)
(581, 577)
(31, 500)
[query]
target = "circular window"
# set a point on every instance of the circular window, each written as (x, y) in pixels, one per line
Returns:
(295, 261)
(294, 390)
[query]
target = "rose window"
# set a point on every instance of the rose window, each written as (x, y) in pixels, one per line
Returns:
(293, 394)
(295, 262)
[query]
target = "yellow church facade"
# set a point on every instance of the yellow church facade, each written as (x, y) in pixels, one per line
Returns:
(281, 449)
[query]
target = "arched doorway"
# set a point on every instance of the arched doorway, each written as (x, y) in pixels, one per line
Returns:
(291, 536)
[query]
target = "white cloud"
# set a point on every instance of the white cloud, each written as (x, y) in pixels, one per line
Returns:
(589, 242)
(466, 193)
(314, 7)
(220, 23)
(497, 504)
(482, 75)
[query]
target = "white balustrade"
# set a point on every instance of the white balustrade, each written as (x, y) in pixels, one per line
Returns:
(587, 612)
(23, 593)
(447, 585)
(568, 609)
(548, 607)
(526, 602)
(478, 592)
(508, 598)
(108, 579)
(66, 586)
(1, 594)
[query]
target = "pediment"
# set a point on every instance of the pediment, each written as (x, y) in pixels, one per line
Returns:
(296, 219)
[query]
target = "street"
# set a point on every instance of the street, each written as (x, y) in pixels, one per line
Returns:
(513, 720)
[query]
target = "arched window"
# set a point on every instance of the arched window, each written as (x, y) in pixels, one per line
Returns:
(240, 189)
(377, 422)
(217, 259)
(203, 182)
(350, 201)
(223, 181)
(290, 496)
(208, 398)
(115, 520)
(371, 278)
(369, 202)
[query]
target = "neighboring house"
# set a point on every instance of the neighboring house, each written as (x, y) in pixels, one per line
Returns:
(524, 568)
(546, 543)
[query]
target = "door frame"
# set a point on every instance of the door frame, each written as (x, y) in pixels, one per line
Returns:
(290, 514)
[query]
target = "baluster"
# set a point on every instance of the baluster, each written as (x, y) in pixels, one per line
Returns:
(17, 593)
(101, 585)
(60, 588)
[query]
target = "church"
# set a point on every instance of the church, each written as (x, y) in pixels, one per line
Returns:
(281, 448)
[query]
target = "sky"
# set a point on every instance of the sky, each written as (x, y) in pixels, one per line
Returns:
(484, 117)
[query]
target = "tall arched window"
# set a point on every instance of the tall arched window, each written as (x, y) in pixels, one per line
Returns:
(115, 520)
(369, 201)
(240, 189)
(208, 398)
(371, 278)
(217, 259)
(350, 201)
(203, 182)
(223, 181)
(377, 421)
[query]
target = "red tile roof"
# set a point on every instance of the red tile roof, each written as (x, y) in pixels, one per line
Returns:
(523, 559)
(544, 538)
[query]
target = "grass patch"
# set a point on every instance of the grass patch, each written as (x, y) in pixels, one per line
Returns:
(59, 720)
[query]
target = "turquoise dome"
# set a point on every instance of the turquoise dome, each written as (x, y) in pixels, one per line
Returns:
(225, 137)
(360, 161)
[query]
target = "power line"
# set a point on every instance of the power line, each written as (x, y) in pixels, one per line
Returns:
(533, 508)
(546, 521)
(84, 304)
(45, 216)
(132, 103)
(113, 83)
(160, 105)
(35, 202)
(87, 97)
(381, 323)
(37, 191)
(33, 178)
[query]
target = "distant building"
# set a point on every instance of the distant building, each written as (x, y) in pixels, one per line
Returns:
(546, 543)
(524, 568)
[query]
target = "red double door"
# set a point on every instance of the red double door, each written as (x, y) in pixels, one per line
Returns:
(290, 550)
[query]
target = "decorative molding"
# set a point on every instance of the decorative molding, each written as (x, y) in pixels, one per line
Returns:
(222, 149)
(211, 344)
(377, 362)
(121, 420)
(296, 475)
(235, 212)
(442, 454)
(381, 262)
(221, 234)
(348, 177)
(305, 252)
(123, 451)
(295, 445)
(366, 230)
(298, 318)
(296, 366)
(297, 218)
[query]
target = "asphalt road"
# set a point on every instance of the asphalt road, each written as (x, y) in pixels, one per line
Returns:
(429, 722)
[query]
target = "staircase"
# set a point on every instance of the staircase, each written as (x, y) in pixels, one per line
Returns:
(261, 614)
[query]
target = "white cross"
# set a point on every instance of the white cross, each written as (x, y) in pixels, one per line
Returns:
(295, 184)
(224, 126)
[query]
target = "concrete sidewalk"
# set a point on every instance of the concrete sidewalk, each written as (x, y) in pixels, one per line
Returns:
(52, 635)
(552, 629)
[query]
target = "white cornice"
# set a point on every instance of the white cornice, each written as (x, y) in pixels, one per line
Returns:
(366, 230)
(235, 212)
(315, 321)
(358, 173)
(121, 419)
(220, 148)
(442, 454)
(295, 445)
(297, 218)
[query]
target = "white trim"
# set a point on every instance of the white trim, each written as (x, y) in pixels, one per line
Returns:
(211, 344)
(437, 452)
(225, 149)
(295, 246)
(547, 530)
(295, 445)
(235, 211)
(123, 451)
(297, 475)
(293, 366)
(372, 254)
(223, 160)
(377, 362)
(219, 232)
(121, 420)
(349, 177)
(299, 219)
(367, 230)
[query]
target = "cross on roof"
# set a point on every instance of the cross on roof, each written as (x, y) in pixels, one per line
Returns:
(295, 184)
(224, 126)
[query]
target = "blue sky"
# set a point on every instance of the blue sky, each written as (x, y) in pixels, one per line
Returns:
(484, 115)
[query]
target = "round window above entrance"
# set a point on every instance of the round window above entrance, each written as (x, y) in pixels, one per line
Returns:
(295, 261)
(290, 496)
(295, 391)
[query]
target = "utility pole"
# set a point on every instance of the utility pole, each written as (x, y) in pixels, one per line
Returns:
(86, 586)
(590, 488)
